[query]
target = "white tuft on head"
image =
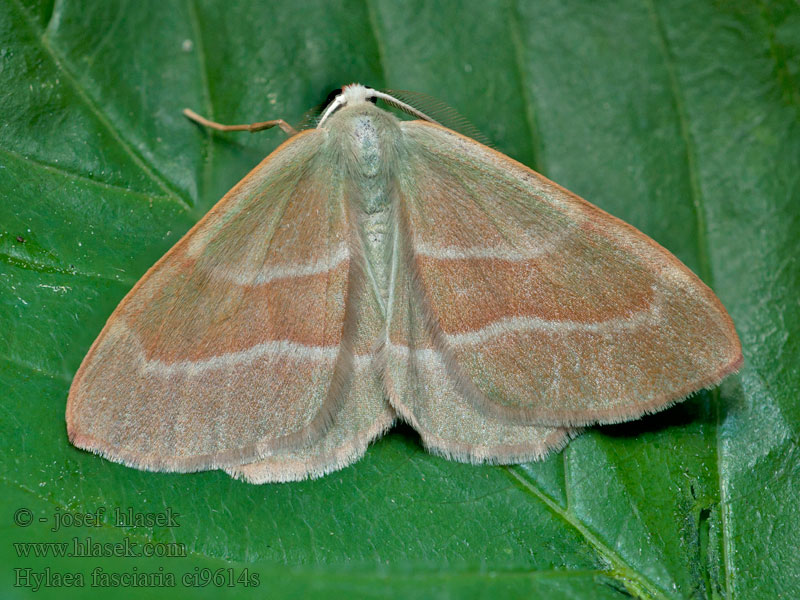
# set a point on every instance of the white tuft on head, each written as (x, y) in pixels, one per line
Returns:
(352, 94)
(355, 93)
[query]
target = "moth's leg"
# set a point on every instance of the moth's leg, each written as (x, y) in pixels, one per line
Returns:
(252, 127)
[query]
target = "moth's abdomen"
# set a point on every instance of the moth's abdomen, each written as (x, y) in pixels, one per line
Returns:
(374, 198)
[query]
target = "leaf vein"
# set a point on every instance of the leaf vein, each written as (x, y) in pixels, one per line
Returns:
(60, 63)
(41, 267)
(632, 580)
(194, 18)
(373, 24)
(704, 256)
(537, 152)
(688, 142)
(39, 371)
(77, 176)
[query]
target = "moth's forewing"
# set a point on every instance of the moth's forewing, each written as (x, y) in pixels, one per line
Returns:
(546, 309)
(233, 344)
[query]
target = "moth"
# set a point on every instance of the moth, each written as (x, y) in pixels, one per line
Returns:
(373, 269)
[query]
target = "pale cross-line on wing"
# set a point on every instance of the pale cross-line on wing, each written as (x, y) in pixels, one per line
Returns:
(250, 277)
(329, 353)
(505, 325)
(512, 254)
(283, 348)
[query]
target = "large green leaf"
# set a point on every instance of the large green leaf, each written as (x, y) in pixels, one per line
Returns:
(681, 118)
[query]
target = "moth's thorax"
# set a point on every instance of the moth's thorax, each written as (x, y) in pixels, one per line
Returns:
(368, 138)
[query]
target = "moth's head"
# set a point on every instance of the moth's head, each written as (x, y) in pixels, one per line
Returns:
(355, 94)
(350, 95)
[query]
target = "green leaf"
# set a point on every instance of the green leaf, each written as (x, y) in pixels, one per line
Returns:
(682, 118)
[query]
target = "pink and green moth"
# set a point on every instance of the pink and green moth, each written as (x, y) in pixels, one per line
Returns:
(373, 269)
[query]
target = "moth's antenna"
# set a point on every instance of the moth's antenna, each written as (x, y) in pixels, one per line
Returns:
(335, 105)
(364, 93)
(406, 108)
